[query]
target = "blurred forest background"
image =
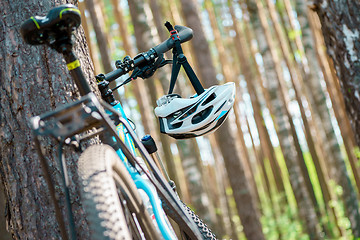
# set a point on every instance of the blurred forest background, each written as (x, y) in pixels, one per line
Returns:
(285, 165)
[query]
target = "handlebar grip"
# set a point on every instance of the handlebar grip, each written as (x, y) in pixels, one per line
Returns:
(185, 34)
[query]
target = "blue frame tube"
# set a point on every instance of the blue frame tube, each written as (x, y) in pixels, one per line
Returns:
(141, 183)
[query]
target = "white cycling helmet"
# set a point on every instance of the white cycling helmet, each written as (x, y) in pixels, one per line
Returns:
(191, 117)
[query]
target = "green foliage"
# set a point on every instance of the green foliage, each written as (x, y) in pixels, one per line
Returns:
(314, 179)
(338, 205)
(289, 192)
(294, 33)
(283, 222)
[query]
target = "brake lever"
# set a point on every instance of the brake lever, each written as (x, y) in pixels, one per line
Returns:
(133, 76)
(144, 72)
(149, 70)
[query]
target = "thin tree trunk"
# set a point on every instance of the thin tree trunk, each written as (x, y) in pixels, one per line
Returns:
(138, 87)
(296, 80)
(311, 85)
(283, 120)
(265, 141)
(88, 39)
(338, 110)
(144, 43)
(102, 42)
(244, 201)
(100, 36)
(332, 149)
(221, 185)
(192, 165)
(229, 77)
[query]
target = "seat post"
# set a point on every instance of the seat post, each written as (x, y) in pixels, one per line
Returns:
(65, 47)
(76, 72)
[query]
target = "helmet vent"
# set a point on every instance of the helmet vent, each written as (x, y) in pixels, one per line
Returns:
(188, 113)
(209, 99)
(175, 125)
(201, 115)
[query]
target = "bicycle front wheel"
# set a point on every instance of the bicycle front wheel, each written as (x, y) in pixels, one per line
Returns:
(111, 201)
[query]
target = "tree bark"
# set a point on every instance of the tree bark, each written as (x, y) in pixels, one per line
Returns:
(340, 25)
(34, 80)
(265, 142)
(342, 40)
(4, 233)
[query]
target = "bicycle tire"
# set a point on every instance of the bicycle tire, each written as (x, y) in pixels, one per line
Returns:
(205, 231)
(104, 180)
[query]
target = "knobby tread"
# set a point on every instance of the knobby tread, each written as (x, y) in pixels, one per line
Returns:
(99, 194)
(206, 232)
(203, 228)
(101, 201)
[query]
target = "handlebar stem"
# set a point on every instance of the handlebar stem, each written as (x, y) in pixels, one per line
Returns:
(106, 93)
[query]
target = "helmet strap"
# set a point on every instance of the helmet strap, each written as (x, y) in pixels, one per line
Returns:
(179, 60)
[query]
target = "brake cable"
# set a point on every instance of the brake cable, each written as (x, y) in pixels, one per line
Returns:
(179, 60)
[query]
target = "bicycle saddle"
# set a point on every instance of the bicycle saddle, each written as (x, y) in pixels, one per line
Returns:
(59, 22)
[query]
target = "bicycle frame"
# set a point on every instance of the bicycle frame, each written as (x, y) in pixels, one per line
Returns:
(85, 114)
(68, 123)
(139, 181)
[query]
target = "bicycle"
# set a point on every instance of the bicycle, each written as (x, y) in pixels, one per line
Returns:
(118, 176)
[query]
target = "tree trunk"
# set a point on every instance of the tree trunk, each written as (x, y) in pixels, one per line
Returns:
(229, 77)
(144, 42)
(340, 25)
(341, 38)
(283, 120)
(265, 141)
(3, 217)
(338, 107)
(34, 80)
(102, 42)
(296, 77)
(222, 185)
(100, 36)
(192, 165)
(138, 87)
(84, 23)
(304, 44)
(224, 136)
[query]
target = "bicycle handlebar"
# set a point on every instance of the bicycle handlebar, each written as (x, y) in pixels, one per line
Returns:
(185, 34)
(111, 76)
